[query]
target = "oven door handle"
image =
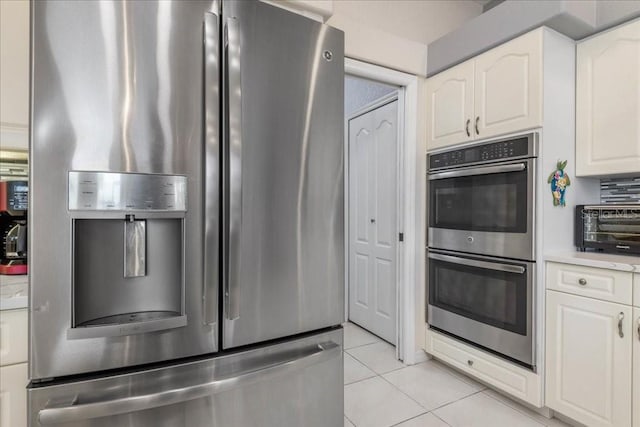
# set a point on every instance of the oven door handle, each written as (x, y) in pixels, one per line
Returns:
(509, 268)
(485, 170)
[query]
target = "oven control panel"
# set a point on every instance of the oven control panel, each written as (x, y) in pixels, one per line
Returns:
(484, 153)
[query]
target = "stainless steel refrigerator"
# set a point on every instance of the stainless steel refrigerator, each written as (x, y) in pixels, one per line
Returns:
(186, 224)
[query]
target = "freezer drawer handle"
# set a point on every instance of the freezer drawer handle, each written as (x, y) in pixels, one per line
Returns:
(313, 355)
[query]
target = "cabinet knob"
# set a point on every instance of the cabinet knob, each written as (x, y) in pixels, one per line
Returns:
(470, 362)
(373, 221)
(582, 281)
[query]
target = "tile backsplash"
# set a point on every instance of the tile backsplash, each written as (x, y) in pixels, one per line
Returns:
(620, 190)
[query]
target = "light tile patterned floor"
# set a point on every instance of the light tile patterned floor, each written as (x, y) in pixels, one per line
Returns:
(380, 391)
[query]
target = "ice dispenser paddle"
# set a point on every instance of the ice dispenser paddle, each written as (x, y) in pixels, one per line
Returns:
(128, 253)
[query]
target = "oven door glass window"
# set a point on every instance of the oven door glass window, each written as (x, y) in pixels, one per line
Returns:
(493, 297)
(496, 202)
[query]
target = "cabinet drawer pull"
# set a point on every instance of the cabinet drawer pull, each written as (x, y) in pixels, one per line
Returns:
(620, 319)
(477, 121)
(582, 281)
(638, 328)
(467, 127)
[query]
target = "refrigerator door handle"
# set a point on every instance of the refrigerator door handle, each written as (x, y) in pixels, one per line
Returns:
(310, 356)
(234, 178)
(212, 167)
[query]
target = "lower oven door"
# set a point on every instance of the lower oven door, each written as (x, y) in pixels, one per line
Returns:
(484, 300)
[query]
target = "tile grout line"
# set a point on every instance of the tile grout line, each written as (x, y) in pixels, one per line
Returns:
(517, 409)
(436, 415)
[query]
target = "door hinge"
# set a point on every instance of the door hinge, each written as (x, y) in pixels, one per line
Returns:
(401, 237)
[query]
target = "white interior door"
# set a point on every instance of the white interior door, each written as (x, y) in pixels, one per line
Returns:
(373, 230)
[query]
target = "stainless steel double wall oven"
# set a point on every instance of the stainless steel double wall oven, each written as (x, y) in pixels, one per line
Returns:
(481, 245)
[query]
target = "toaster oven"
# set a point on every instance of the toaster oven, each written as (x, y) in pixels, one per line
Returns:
(608, 228)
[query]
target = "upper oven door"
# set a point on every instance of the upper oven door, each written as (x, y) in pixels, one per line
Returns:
(486, 209)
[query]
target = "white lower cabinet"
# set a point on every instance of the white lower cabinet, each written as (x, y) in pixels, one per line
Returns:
(13, 395)
(589, 359)
(636, 367)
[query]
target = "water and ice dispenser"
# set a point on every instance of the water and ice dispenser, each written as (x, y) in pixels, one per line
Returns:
(128, 252)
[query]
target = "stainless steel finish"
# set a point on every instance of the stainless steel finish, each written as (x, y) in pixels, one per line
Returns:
(212, 168)
(125, 97)
(315, 354)
(511, 344)
(170, 321)
(477, 121)
(466, 127)
(233, 131)
(533, 143)
(629, 207)
(510, 268)
(285, 229)
(135, 250)
(620, 319)
(507, 245)
(582, 281)
(484, 170)
(296, 383)
(98, 191)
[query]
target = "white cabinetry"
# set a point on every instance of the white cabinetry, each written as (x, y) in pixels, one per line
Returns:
(508, 87)
(636, 367)
(13, 368)
(450, 98)
(589, 359)
(13, 395)
(608, 103)
(495, 93)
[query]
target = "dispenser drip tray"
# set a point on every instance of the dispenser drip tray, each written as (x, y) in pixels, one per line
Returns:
(128, 324)
(125, 318)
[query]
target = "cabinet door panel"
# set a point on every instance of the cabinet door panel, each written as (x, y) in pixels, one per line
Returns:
(508, 87)
(13, 395)
(636, 367)
(608, 103)
(450, 106)
(588, 362)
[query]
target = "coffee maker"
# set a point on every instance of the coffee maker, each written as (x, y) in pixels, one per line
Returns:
(14, 199)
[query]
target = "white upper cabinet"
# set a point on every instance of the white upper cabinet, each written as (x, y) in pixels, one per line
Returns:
(508, 87)
(608, 103)
(495, 93)
(589, 358)
(450, 98)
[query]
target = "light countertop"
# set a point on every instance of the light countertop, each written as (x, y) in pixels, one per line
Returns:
(598, 260)
(14, 292)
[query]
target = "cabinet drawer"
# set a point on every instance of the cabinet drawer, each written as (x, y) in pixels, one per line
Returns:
(599, 283)
(13, 395)
(14, 336)
(512, 379)
(636, 289)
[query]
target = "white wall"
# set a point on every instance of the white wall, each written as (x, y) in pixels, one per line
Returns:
(14, 74)
(395, 34)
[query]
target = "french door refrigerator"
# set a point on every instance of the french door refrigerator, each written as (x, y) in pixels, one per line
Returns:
(187, 261)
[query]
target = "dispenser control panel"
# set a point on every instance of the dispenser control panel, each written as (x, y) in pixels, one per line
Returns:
(109, 191)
